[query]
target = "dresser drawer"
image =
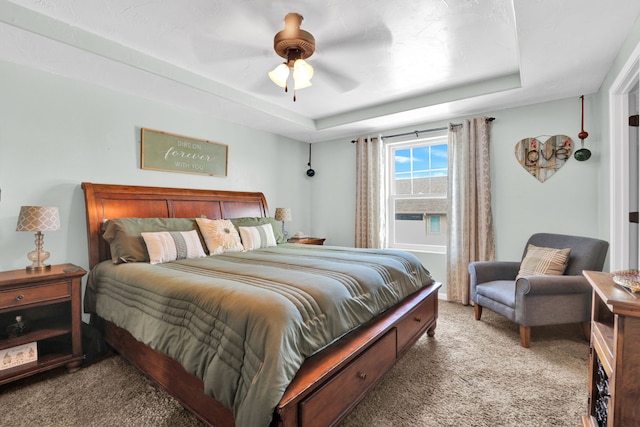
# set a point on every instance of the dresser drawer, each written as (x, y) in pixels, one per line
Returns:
(349, 386)
(34, 294)
(415, 323)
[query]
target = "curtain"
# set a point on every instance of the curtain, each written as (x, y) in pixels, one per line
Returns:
(371, 208)
(470, 234)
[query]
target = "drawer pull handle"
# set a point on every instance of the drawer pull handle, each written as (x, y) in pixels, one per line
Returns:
(417, 319)
(19, 297)
(362, 376)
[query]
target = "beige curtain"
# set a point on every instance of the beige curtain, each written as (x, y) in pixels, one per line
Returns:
(470, 221)
(370, 193)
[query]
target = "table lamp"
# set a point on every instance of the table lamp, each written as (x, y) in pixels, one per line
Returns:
(283, 214)
(38, 219)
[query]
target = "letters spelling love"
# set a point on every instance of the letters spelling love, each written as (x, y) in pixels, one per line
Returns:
(542, 159)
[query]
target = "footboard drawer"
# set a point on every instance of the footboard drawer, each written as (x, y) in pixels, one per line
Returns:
(342, 392)
(415, 323)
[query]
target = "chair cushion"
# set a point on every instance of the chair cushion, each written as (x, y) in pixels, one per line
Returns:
(543, 261)
(502, 291)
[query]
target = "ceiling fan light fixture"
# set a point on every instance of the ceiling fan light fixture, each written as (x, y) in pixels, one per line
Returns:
(301, 84)
(279, 75)
(295, 45)
(302, 70)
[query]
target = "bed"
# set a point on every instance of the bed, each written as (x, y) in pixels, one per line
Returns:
(330, 379)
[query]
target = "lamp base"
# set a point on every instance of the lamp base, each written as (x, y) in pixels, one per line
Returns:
(38, 256)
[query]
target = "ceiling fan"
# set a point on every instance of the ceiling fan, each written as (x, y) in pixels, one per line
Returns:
(295, 45)
(244, 52)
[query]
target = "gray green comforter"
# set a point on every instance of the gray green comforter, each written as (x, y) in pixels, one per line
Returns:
(245, 322)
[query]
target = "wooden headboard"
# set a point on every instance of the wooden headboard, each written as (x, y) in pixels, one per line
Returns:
(106, 201)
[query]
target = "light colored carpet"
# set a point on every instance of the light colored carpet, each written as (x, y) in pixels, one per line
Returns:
(470, 374)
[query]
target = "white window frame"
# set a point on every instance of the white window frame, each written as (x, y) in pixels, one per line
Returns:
(390, 182)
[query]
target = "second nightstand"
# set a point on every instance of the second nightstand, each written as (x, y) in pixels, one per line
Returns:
(307, 240)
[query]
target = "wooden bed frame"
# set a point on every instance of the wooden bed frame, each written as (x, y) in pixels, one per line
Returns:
(328, 385)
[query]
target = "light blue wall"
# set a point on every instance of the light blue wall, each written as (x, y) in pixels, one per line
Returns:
(56, 133)
(565, 203)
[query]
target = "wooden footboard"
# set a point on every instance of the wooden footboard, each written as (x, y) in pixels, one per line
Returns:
(327, 386)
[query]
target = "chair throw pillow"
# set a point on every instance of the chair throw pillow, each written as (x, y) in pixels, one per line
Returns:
(540, 261)
(165, 246)
(220, 235)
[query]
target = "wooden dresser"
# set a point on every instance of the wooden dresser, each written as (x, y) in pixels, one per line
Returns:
(614, 354)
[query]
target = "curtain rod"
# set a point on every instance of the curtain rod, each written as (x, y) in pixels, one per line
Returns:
(418, 132)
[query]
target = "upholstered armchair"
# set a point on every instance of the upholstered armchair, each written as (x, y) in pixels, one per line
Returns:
(531, 297)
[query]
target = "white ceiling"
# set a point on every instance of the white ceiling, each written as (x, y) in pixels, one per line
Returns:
(379, 64)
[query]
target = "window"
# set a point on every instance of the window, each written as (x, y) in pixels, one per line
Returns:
(417, 183)
(434, 223)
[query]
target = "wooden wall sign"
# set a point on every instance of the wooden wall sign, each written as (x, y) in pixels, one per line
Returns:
(166, 151)
(542, 159)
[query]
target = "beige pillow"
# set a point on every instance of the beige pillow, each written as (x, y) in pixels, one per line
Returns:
(165, 246)
(220, 235)
(260, 236)
(540, 261)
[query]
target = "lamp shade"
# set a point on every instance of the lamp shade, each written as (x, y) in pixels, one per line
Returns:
(279, 75)
(38, 218)
(283, 214)
(302, 70)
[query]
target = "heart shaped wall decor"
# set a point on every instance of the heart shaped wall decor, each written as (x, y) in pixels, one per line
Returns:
(543, 159)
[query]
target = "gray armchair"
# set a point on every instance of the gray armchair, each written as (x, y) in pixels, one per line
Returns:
(540, 300)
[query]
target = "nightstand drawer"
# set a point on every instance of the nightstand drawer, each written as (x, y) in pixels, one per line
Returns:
(35, 294)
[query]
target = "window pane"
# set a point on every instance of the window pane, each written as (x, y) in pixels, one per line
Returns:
(403, 160)
(421, 158)
(439, 156)
(434, 225)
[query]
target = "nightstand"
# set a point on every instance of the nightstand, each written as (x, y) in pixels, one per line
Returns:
(50, 302)
(307, 240)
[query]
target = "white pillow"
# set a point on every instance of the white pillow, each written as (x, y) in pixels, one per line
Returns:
(220, 235)
(260, 236)
(165, 246)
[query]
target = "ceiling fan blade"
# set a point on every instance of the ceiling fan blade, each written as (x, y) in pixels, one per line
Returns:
(377, 35)
(340, 80)
(211, 50)
(233, 30)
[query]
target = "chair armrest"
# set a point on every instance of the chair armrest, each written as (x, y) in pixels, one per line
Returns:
(488, 271)
(550, 285)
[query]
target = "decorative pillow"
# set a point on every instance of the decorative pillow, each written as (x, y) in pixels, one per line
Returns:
(253, 221)
(260, 236)
(165, 246)
(540, 261)
(126, 243)
(220, 235)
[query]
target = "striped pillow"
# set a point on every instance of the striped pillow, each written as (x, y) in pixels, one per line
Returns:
(540, 261)
(257, 237)
(165, 246)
